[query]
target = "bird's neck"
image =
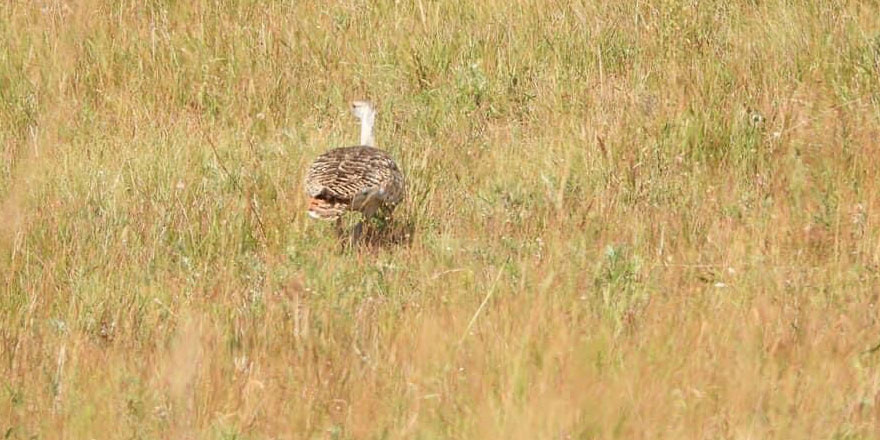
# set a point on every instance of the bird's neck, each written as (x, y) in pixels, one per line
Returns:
(367, 131)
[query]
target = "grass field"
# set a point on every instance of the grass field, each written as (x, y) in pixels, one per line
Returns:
(642, 219)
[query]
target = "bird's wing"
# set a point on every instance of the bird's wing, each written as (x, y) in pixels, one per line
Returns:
(343, 173)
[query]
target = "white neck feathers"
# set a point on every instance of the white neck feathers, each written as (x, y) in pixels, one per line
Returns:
(367, 130)
(364, 111)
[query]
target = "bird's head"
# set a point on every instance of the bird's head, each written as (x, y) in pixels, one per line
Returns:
(363, 110)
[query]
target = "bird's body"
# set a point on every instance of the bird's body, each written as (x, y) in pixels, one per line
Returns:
(360, 178)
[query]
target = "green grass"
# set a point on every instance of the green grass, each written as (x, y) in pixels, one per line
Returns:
(603, 245)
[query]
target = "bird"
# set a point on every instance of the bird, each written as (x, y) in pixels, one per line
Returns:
(359, 178)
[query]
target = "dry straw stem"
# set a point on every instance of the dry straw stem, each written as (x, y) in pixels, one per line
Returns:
(627, 250)
(489, 293)
(251, 203)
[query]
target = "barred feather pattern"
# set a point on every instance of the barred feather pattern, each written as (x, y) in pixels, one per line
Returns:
(358, 178)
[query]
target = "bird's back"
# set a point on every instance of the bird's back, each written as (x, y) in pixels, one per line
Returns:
(359, 178)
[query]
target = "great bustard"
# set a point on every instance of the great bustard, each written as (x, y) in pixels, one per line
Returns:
(359, 178)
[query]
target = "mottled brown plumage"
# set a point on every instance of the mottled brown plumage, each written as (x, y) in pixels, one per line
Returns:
(360, 178)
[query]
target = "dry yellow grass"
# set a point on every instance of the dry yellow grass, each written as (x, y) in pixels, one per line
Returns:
(603, 244)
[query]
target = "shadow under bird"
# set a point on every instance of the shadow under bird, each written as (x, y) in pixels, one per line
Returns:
(360, 178)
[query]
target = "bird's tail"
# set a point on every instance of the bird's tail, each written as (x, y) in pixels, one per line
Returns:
(325, 210)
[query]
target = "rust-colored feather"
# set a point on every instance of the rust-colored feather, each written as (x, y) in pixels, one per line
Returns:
(325, 210)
